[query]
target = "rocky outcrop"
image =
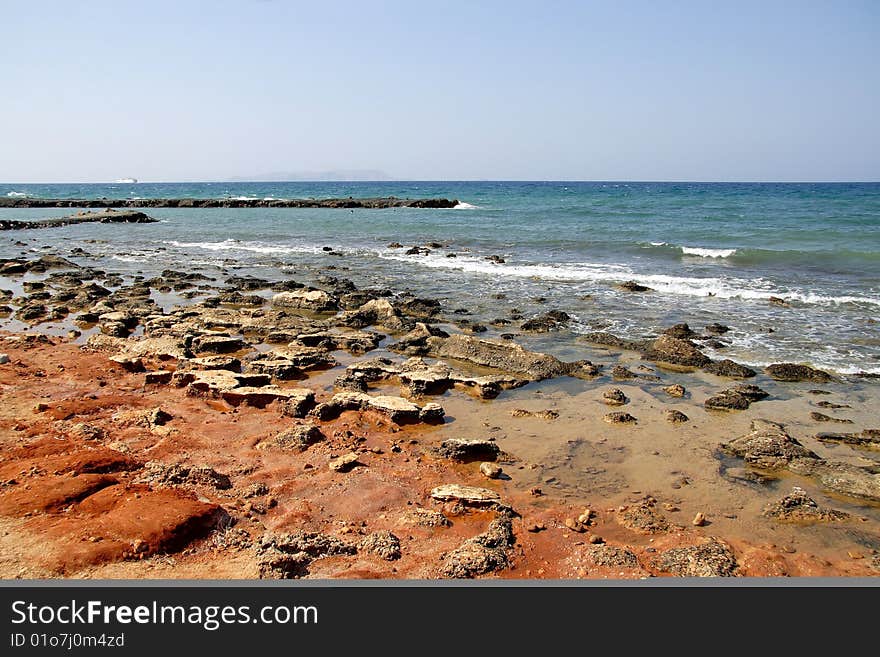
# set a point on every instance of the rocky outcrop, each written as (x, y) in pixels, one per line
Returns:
(549, 321)
(619, 417)
(737, 398)
(316, 301)
(644, 518)
(710, 559)
(729, 369)
(288, 556)
(295, 439)
(104, 217)
(484, 553)
(345, 203)
(769, 447)
(793, 372)
(459, 449)
(498, 355)
(798, 507)
(867, 439)
(614, 397)
(675, 351)
(396, 409)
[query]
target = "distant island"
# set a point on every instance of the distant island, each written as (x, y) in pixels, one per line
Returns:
(338, 175)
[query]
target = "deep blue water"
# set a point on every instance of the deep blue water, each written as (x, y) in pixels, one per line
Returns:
(710, 251)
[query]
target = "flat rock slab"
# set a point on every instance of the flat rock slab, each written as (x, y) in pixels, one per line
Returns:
(465, 494)
(261, 396)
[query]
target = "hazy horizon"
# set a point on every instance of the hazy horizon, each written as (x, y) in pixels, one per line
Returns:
(569, 91)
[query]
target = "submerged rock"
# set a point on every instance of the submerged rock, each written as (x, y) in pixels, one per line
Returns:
(469, 450)
(768, 446)
(799, 507)
(632, 286)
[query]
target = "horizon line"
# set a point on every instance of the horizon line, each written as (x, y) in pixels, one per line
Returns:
(453, 180)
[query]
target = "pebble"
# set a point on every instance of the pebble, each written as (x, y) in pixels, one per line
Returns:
(4, 358)
(490, 470)
(699, 520)
(596, 540)
(535, 527)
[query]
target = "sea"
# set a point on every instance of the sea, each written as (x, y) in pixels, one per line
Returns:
(709, 252)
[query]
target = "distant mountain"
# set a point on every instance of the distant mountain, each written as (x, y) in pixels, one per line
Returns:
(347, 175)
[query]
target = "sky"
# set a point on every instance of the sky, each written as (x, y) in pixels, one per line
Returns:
(213, 90)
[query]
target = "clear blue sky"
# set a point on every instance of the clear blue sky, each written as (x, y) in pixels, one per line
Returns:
(183, 90)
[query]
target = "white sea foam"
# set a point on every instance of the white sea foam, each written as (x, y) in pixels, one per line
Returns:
(17, 194)
(465, 206)
(707, 253)
(236, 245)
(658, 243)
(731, 288)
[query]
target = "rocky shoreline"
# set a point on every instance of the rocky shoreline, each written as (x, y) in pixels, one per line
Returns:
(280, 430)
(103, 217)
(370, 203)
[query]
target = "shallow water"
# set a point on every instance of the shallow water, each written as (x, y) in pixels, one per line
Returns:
(710, 253)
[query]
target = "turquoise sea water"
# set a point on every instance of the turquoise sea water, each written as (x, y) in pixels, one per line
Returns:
(711, 252)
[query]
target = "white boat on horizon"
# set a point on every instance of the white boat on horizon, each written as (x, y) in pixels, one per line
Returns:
(126, 180)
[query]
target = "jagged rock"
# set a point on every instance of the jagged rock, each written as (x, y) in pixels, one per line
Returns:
(793, 372)
(281, 369)
(711, 559)
(396, 409)
(432, 413)
(298, 404)
(425, 518)
(799, 507)
(158, 377)
(484, 553)
(305, 358)
(767, 446)
(821, 417)
(680, 331)
(128, 363)
(737, 398)
(611, 556)
(675, 390)
(296, 439)
(667, 349)
(382, 543)
(288, 556)
(416, 341)
(582, 369)
(217, 344)
(161, 474)
(730, 369)
(643, 517)
(469, 450)
(619, 417)
(675, 416)
(466, 495)
(717, 329)
(312, 300)
(344, 463)
(632, 286)
(869, 438)
(415, 307)
(610, 340)
(619, 372)
(351, 382)
(549, 321)
(614, 397)
(356, 342)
